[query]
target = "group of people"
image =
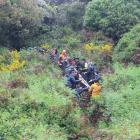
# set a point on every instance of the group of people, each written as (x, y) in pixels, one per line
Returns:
(81, 75)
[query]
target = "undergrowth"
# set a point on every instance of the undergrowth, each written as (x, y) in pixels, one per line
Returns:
(36, 104)
(43, 109)
(120, 103)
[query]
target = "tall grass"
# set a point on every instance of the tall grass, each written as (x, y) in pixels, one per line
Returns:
(121, 99)
(41, 110)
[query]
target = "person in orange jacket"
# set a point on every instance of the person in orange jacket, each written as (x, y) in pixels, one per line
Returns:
(63, 55)
(95, 89)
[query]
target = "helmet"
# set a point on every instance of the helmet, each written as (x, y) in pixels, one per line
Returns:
(64, 51)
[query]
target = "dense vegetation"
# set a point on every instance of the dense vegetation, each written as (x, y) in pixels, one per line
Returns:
(34, 101)
(113, 17)
(128, 47)
(19, 22)
(33, 104)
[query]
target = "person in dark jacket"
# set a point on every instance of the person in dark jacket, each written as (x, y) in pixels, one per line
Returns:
(54, 55)
(90, 72)
(72, 81)
(79, 90)
(97, 77)
(68, 70)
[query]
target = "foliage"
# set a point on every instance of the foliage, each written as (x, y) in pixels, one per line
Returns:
(107, 48)
(20, 22)
(71, 41)
(113, 17)
(121, 98)
(45, 46)
(116, 112)
(15, 63)
(99, 53)
(128, 46)
(71, 14)
(34, 101)
(75, 13)
(41, 110)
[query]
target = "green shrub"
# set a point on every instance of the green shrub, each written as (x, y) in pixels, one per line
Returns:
(43, 110)
(73, 42)
(112, 17)
(128, 46)
(120, 99)
(20, 22)
(74, 14)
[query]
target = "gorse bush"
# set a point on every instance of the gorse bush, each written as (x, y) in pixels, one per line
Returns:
(45, 46)
(15, 63)
(101, 54)
(107, 48)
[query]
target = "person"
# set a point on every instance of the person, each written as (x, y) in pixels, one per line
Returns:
(72, 81)
(59, 62)
(54, 54)
(63, 60)
(80, 66)
(62, 63)
(68, 70)
(86, 65)
(96, 78)
(95, 89)
(79, 90)
(63, 55)
(40, 50)
(90, 72)
(73, 62)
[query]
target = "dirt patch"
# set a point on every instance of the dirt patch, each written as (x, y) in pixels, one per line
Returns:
(36, 69)
(107, 70)
(3, 100)
(99, 115)
(17, 83)
(84, 101)
(102, 135)
(136, 56)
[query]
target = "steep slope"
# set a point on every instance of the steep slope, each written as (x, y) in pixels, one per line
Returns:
(35, 104)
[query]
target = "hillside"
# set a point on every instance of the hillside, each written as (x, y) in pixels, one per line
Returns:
(36, 102)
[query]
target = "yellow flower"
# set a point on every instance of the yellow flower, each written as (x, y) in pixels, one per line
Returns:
(91, 47)
(88, 47)
(45, 46)
(15, 63)
(106, 48)
(15, 55)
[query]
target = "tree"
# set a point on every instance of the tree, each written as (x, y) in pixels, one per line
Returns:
(113, 17)
(71, 14)
(20, 21)
(75, 13)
